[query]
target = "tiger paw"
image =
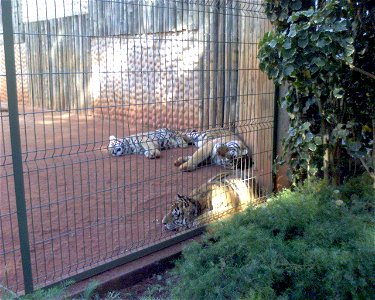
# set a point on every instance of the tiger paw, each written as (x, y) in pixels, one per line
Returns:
(152, 153)
(179, 161)
(186, 168)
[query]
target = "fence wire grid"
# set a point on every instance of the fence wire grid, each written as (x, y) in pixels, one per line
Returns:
(75, 72)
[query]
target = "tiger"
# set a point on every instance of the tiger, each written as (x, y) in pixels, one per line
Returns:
(147, 143)
(226, 191)
(217, 146)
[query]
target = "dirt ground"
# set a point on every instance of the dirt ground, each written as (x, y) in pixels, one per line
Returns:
(84, 207)
(156, 286)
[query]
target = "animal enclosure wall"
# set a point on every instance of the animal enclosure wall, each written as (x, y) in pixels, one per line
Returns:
(79, 71)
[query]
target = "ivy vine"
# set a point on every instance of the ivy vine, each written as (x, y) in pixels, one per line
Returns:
(323, 50)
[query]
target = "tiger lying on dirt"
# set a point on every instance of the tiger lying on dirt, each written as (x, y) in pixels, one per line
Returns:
(147, 143)
(222, 193)
(215, 146)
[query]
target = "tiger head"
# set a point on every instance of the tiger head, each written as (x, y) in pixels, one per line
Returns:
(182, 213)
(118, 147)
(233, 155)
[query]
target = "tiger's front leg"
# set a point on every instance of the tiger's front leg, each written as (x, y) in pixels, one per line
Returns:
(199, 156)
(179, 161)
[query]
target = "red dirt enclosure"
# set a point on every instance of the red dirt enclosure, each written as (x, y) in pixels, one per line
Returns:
(84, 207)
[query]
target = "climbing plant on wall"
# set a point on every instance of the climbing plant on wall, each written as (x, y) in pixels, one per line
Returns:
(323, 51)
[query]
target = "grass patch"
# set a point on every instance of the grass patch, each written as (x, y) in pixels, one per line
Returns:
(314, 243)
(60, 292)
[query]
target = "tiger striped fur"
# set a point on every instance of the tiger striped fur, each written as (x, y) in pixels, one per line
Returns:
(147, 143)
(215, 146)
(226, 191)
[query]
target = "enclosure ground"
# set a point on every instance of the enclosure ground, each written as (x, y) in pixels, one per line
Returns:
(84, 207)
(156, 286)
(147, 276)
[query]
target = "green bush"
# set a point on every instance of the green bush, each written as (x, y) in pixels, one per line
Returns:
(314, 243)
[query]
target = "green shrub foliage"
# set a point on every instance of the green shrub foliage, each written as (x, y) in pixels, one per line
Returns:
(324, 51)
(314, 243)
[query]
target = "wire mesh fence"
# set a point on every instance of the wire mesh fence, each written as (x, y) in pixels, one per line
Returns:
(85, 70)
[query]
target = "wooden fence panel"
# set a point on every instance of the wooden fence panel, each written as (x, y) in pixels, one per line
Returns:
(59, 56)
(132, 17)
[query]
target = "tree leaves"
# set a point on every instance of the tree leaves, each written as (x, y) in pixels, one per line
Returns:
(288, 44)
(292, 30)
(308, 13)
(288, 55)
(312, 50)
(309, 137)
(354, 146)
(292, 131)
(318, 140)
(312, 146)
(339, 26)
(349, 49)
(302, 43)
(288, 70)
(322, 42)
(272, 43)
(296, 5)
(338, 93)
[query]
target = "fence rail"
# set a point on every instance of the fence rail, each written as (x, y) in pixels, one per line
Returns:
(75, 72)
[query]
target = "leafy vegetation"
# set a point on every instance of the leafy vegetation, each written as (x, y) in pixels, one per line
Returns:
(324, 51)
(313, 243)
(60, 292)
(56, 292)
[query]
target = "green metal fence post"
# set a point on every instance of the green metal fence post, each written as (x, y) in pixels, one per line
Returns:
(16, 143)
(275, 135)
